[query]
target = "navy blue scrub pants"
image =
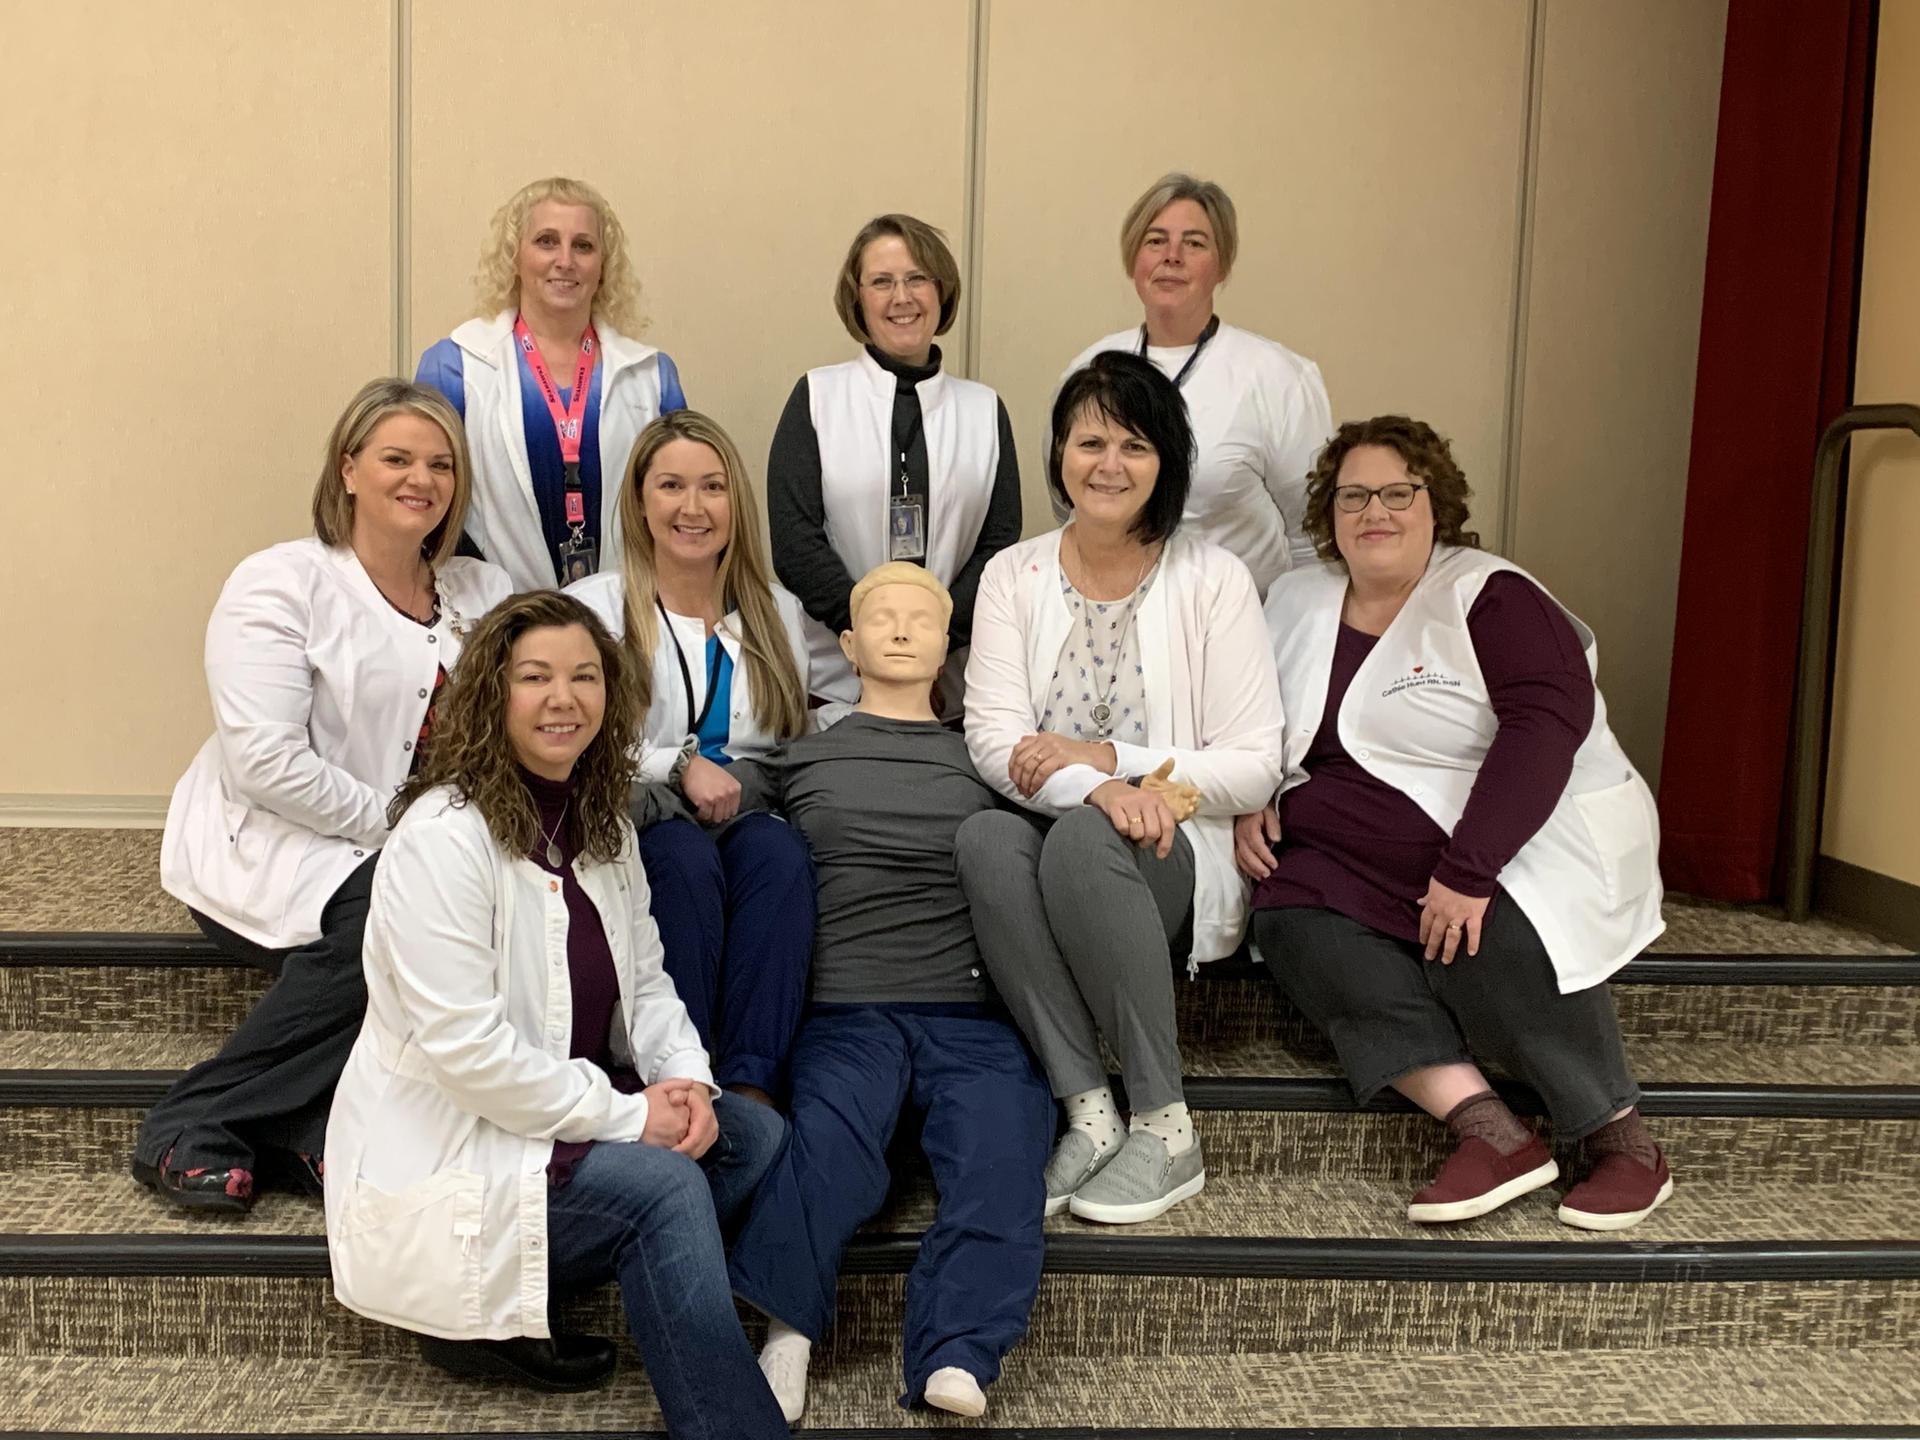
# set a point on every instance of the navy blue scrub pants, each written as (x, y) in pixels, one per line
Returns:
(988, 1125)
(736, 909)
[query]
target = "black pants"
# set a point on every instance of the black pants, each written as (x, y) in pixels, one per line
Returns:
(1389, 1011)
(271, 1085)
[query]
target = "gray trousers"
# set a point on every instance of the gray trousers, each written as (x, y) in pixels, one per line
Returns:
(1075, 925)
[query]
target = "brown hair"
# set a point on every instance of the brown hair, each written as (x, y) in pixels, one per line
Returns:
(929, 250)
(743, 581)
(1427, 457)
(377, 400)
(1164, 192)
(469, 749)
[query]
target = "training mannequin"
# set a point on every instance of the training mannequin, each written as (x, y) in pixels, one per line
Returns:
(902, 1017)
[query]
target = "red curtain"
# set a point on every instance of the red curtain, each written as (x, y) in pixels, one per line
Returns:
(1776, 358)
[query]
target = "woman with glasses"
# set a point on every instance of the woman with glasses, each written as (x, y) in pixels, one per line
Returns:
(886, 457)
(1461, 854)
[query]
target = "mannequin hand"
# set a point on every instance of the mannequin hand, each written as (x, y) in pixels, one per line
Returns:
(1039, 756)
(1139, 815)
(1254, 837)
(703, 1128)
(1182, 799)
(713, 793)
(1445, 916)
(666, 1114)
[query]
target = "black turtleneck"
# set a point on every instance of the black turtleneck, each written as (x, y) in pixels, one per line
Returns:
(805, 558)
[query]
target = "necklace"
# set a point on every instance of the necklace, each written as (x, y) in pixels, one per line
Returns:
(554, 857)
(1102, 712)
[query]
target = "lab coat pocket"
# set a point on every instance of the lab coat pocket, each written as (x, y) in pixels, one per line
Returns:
(414, 1254)
(1618, 824)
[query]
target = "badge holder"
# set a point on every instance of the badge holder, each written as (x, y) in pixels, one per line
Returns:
(906, 524)
(579, 557)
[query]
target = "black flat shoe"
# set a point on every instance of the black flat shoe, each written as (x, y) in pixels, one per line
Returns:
(564, 1364)
(225, 1192)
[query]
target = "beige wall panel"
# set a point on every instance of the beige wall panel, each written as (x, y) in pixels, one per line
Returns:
(742, 145)
(1372, 150)
(198, 278)
(1630, 93)
(1873, 764)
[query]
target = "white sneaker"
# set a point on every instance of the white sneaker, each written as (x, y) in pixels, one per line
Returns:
(783, 1360)
(954, 1390)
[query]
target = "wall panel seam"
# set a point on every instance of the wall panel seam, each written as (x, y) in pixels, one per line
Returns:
(1526, 194)
(974, 203)
(401, 199)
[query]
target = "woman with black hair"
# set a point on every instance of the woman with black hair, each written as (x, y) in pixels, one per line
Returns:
(1103, 653)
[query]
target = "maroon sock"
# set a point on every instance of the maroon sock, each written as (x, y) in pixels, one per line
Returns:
(1626, 1136)
(1486, 1115)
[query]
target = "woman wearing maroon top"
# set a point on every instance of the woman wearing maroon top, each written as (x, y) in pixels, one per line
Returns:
(527, 1109)
(1461, 853)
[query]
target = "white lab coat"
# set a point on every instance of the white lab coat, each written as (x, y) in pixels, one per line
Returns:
(1418, 717)
(1212, 704)
(459, 1084)
(664, 730)
(504, 519)
(1260, 416)
(318, 687)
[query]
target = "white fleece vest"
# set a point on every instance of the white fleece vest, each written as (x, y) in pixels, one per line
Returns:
(852, 409)
(1418, 717)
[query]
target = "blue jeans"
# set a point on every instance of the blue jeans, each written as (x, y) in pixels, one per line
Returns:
(736, 907)
(651, 1220)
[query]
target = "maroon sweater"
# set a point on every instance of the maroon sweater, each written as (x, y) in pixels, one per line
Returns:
(596, 985)
(1354, 844)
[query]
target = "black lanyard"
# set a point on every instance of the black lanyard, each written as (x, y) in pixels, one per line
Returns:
(694, 722)
(1207, 334)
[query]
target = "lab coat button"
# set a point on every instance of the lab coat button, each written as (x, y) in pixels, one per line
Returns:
(423, 694)
(406, 745)
(1365, 754)
(433, 639)
(553, 885)
(359, 854)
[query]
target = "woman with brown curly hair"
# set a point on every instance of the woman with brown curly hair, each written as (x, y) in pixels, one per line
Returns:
(551, 383)
(528, 1110)
(1464, 853)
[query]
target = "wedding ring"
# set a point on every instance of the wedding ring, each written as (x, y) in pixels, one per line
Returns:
(1454, 926)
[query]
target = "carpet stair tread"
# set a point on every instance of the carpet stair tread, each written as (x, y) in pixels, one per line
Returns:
(1774, 1385)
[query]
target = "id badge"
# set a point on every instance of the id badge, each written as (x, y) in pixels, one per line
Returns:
(906, 530)
(578, 560)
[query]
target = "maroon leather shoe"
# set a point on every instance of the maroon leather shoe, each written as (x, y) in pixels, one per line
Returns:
(1477, 1178)
(1618, 1193)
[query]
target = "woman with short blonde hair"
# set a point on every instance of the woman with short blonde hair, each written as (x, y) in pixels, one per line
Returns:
(551, 365)
(886, 456)
(323, 657)
(721, 671)
(1259, 411)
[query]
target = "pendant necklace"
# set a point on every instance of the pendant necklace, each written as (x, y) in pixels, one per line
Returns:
(1102, 712)
(554, 858)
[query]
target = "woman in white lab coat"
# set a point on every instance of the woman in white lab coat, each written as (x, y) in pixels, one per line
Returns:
(527, 1109)
(322, 658)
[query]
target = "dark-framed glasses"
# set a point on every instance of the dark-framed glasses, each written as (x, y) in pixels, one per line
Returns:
(1352, 499)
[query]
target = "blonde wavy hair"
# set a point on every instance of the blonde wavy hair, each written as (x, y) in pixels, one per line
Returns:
(375, 402)
(496, 283)
(469, 750)
(743, 580)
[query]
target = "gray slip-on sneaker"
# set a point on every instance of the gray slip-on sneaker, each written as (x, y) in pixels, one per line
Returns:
(1143, 1181)
(1074, 1162)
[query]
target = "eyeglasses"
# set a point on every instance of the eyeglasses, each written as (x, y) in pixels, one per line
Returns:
(1352, 499)
(914, 283)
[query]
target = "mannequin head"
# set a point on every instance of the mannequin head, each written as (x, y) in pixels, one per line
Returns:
(899, 639)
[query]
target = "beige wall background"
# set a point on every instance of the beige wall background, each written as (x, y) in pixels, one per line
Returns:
(1489, 215)
(1873, 765)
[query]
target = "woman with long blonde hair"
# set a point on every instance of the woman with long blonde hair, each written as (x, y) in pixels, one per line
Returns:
(551, 383)
(721, 659)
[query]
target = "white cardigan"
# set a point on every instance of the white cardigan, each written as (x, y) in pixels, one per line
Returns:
(459, 1084)
(1260, 416)
(318, 687)
(504, 519)
(1417, 716)
(664, 730)
(851, 405)
(1212, 704)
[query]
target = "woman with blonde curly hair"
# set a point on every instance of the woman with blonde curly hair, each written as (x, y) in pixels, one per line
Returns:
(549, 384)
(528, 1110)
(720, 659)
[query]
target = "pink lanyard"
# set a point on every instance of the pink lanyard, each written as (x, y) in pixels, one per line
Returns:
(568, 423)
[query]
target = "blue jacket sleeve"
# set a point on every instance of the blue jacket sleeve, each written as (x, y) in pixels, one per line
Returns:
(445, 370)
(672, 397)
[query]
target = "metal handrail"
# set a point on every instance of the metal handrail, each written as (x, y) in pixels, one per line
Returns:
(1808, 753)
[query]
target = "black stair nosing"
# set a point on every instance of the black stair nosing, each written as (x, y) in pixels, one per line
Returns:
(80, 1089)
(20, 948)
(1439, 1261)
(1079, 1432)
